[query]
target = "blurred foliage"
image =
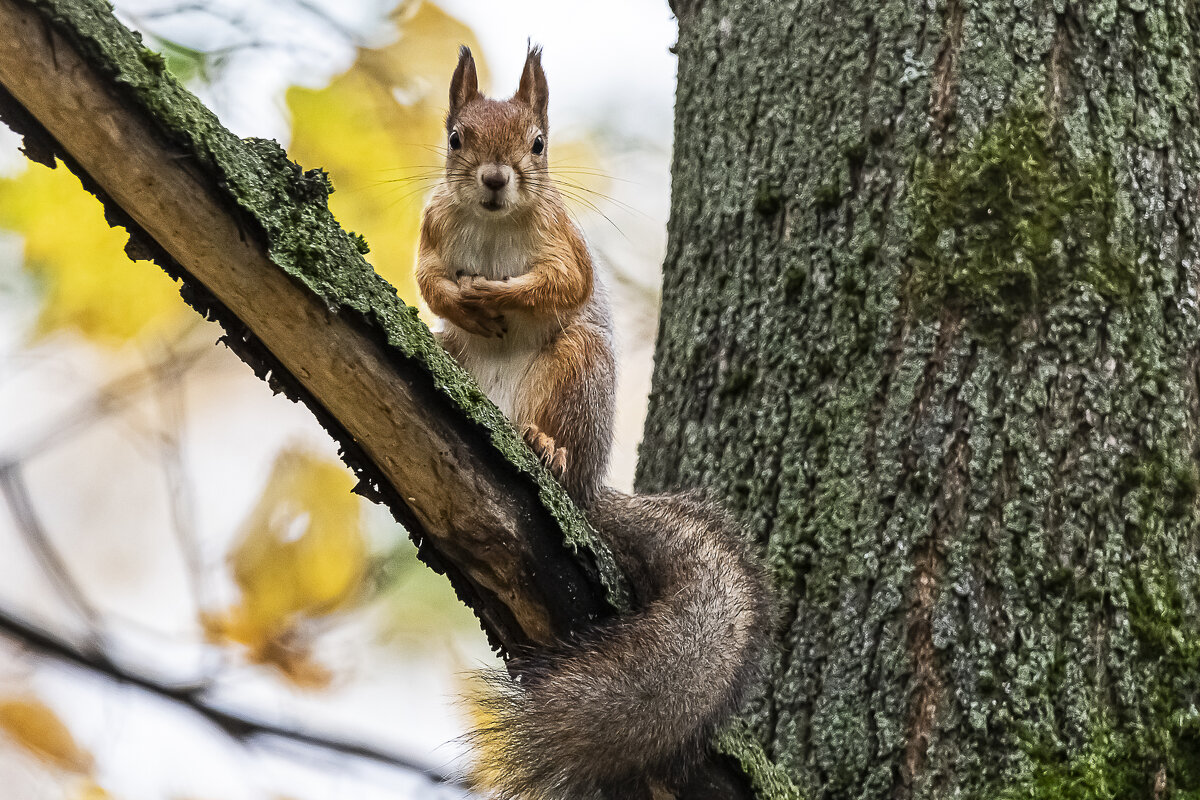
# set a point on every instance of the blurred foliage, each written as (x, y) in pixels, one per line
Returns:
(185, 63)
(300, 556)
(420, 609)
(38, 731)
(87, 282)
(89, 790)
(371, 128)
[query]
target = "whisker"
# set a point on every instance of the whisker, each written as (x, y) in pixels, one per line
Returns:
(411, 179)
(574, 190)
(593, 207)
(419, 184)
(420, 189)
(412, 166)
(580, 165)
(603, 175)
(622, 205)
(436, 150)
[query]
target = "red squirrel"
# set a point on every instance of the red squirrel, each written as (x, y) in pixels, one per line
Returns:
(626, 709)
(501, 261)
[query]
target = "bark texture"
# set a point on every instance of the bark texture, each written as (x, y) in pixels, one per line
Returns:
(930, 326)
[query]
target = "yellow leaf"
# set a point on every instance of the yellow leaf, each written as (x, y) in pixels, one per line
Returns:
(301, 549)
(88, 283)
(300, 556)
(377, 130)
(39, 731)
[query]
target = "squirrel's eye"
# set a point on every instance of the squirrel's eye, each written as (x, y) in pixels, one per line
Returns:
(539, 144)
(455, 140)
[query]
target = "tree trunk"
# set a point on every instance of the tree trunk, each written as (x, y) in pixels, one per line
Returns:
(929, 324)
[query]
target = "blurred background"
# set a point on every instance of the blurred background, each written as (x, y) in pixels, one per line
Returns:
(192, 604)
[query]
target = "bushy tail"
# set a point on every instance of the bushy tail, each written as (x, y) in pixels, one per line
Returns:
(636, 698)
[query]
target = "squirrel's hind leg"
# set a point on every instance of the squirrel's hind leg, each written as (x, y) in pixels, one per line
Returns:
(569, 399)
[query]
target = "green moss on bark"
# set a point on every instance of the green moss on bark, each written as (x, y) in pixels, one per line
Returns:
(286, 207)
(769, 781)
(1005, 226)
(1156, 761)
(1105, 769)
(1156, 755)
(967, 445)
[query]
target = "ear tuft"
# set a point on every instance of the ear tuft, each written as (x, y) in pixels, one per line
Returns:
(533, 90)
(464, 86)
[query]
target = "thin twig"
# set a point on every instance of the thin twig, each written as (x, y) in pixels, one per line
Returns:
(321, 14)
(20, 504)
(106, 401)
(236, 726)
(170, 393)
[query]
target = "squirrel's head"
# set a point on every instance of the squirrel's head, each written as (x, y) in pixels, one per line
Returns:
(496, 149)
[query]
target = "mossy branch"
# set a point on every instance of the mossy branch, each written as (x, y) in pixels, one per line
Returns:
(249, 235)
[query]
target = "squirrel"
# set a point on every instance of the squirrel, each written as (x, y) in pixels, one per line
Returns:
(500, 260)
(629, 705)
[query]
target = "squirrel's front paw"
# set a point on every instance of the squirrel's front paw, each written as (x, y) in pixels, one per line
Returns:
(555, 458)
(477, 288)
(474, 316)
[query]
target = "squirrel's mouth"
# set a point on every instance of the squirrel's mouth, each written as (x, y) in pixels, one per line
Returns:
(493, 205)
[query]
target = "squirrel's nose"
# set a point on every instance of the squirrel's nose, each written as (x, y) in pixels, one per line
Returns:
(494, 177)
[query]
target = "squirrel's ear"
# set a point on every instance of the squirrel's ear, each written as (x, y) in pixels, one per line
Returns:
(464, 86)
(533, 90)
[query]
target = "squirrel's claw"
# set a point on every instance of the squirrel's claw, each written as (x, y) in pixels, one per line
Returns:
(558, 464)
(555, 458)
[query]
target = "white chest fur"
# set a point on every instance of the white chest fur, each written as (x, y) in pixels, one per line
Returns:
(499, 249)
(501, 369)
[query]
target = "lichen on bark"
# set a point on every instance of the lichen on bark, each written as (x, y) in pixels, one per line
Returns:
(965, 441)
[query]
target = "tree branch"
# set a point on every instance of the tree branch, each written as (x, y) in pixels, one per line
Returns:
(16, 495)
(249, 235)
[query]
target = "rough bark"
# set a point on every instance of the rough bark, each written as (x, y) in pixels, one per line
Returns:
(250, 237)
(930, 325)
